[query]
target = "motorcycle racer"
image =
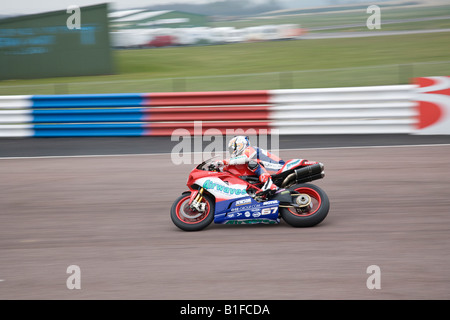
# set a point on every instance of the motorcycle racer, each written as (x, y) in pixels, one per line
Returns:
(258, 160)
(233, 194)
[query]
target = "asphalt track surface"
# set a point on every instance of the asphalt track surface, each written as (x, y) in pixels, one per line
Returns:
(50, 147)
(110, 216)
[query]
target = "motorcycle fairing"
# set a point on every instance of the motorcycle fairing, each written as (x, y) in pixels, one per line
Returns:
(223, 188)
(232, 203)
(247, 210)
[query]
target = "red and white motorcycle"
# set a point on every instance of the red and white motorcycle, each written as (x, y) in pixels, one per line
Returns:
(232, 195)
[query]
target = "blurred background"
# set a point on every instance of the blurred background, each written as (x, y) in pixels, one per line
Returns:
(102, 202)
(203, 45)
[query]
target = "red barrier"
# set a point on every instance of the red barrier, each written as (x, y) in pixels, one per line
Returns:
(206, 128)
(206, 113)
(207, 98)
(233, 113)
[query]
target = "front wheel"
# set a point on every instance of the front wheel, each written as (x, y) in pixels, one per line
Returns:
(312, 206)
(188, 219)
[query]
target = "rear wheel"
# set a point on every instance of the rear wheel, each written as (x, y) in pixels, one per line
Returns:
(189, 219)
(313, 206)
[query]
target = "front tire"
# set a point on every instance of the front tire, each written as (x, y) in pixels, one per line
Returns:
(191, 220)
(312, 214)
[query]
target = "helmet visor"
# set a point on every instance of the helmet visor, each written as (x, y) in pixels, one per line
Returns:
(232, 149)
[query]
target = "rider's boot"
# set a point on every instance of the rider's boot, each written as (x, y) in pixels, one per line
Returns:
(269, 188)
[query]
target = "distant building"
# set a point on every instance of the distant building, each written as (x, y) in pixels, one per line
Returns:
(141, 18)
(47, 45)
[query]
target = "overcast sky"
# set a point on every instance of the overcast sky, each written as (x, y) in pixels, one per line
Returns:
(12, 7)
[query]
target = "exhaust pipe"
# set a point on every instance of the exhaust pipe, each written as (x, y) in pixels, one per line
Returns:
(311, 178)
(305, 174)
(309, 170)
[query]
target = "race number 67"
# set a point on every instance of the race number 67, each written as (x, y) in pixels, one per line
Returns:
(272, 210)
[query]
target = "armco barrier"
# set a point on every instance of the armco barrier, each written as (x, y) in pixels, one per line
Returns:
(378, 109)
(357, 110)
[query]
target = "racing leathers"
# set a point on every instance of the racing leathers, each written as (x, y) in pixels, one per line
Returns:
(261, 162)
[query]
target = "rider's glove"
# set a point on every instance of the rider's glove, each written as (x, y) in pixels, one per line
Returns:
(218, 164)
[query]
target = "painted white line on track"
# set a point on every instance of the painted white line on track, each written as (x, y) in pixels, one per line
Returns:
(218, 152)
(370, 147)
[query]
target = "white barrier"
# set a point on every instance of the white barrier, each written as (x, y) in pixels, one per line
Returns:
(15, 116)
(15, 102)
(16, 130)
(355, 110)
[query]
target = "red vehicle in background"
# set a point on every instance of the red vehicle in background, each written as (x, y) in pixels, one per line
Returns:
(162, 41)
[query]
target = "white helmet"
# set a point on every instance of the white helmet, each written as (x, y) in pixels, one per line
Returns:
(237, 145)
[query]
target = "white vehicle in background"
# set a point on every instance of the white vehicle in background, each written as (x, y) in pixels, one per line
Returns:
(290, 31)
(130, 38)
(236, 35)
(222, 34)
(273, 32)
(262, 33)
(193, 36)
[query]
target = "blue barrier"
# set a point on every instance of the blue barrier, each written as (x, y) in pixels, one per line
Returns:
(89, 115)
(87, 130)
(89, 100)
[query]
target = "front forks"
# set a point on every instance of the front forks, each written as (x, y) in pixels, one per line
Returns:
(196, 201)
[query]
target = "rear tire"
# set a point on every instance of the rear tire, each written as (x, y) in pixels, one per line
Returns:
(190, 220)
(320, 205)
